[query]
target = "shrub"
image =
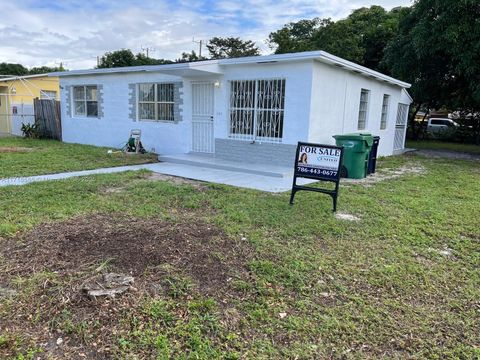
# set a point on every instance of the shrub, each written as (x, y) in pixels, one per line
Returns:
(30, 130)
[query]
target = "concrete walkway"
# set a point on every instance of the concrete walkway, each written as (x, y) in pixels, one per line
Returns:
(239, 179)
(17, 181)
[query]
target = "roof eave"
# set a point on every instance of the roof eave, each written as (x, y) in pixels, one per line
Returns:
(12, 78)
(335, 60)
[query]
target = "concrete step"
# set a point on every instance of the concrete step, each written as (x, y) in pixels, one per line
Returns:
(209, 161)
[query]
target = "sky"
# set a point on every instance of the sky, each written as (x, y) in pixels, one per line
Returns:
(75, 32)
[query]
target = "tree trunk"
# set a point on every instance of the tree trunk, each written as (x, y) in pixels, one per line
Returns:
(412, 123)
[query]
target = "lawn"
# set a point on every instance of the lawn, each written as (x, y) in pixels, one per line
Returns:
(25, 157)
(226, 273)
(443, 145)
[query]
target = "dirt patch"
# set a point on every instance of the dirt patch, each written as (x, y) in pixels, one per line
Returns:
(178, 180)
(114, 189)
(144, 248)
(15, 149)
(347, 217)
(446, 154)
(387, 174)
(180, 260)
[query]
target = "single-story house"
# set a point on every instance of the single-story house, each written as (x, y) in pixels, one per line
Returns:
(250, 109)
(16, 99)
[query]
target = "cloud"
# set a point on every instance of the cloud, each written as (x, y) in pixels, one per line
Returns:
(75, 32)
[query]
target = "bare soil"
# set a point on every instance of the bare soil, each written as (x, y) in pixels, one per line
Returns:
(200, 185)
(15, 149)
(130, 245)
(156, 253)
(387, 174)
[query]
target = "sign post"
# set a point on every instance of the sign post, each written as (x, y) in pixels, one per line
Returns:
(318, 162)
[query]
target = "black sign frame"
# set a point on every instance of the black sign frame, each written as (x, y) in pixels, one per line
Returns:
(335, 178)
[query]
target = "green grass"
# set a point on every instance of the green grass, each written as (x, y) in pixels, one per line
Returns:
(443, 145)
(377, 288)
(50, 156)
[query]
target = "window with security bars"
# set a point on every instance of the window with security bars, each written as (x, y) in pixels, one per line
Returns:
(383, 121)
(156, 102)
(363, 109)
(257, 109)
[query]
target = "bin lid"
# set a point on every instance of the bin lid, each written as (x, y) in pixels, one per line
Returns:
(368, 138)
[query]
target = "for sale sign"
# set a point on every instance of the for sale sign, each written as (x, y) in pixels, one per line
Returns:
(320, 162)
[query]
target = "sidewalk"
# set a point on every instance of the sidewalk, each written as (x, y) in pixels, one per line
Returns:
(233, 178)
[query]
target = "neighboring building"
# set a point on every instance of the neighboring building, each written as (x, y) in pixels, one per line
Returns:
(252, 109)
(16, 99)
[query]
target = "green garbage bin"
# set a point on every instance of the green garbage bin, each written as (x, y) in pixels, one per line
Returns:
(356, 149)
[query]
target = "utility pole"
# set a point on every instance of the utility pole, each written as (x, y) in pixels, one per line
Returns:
(200, 43)
(147, 50)
(98, 60)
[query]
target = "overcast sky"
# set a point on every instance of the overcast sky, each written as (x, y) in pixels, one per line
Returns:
(47, 32)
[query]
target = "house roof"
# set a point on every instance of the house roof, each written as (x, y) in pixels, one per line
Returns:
(11, 78)
(209, 67)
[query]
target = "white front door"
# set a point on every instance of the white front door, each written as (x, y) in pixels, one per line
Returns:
(202, 117)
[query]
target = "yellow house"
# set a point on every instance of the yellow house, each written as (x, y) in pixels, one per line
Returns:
(16, 99)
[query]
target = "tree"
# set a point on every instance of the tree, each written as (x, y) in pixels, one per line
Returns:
(118, 58)
(437, 49)
(297, 36)
(125, 57)
(13, 69)
(361, 37)
(20, 70)
(142, 59)
(221, 48)
(190, 57)
(45, 69)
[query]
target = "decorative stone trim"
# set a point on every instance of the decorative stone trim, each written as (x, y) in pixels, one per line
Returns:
(178, 99)
(100, 101)
(68, 101)
(132, 102)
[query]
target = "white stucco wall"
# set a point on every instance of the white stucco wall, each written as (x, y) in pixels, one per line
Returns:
(113, 129)
(298, 80)
(320, 101)
(336, 101)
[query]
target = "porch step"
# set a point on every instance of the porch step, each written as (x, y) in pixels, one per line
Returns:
(211, 162)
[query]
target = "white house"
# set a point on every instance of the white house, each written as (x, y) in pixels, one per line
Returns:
(251, 109)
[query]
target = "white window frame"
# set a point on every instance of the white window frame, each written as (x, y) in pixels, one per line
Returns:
(155, 102)
(48, 94)
(74, 113)
(385, 106)
(361, 112)
(256, 109)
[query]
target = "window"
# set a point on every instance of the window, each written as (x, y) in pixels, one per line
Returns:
(383, 121)
(85, 101)
(442, 123)
(257, 109)
(156, 102)
(362, 112)
(48, 94)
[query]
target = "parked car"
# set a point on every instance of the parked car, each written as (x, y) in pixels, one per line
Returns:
(441, 127)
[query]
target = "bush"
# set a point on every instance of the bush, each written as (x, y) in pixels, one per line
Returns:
(30, 131)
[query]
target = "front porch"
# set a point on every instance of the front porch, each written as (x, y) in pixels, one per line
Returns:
(211, 162)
